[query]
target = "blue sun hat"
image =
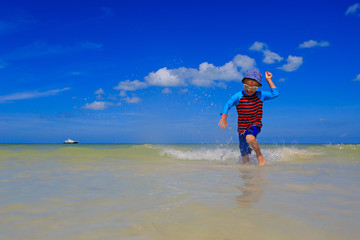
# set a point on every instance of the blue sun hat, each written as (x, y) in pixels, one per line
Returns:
(253, 74)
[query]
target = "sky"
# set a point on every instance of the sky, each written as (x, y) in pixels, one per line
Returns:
(161, 71)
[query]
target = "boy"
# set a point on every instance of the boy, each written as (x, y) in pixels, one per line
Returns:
(249, 105)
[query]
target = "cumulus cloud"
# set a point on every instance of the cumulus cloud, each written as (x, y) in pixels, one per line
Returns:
(100, 91)
(30, 95)
(167, 77)
(132, 100)
(269, 56)
(312, 43)
(258, 46)
(353, 10)
(122, 93)
(293, 63)
(244, 62)
(183, 91)
(166, 91)
(99, 94)
(357, 78)
(97, 105)
(131, 85)
(206, 75)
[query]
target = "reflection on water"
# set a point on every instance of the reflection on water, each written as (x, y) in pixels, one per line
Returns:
(252, 190)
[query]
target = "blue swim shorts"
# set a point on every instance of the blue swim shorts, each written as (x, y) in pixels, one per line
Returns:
(243, 144)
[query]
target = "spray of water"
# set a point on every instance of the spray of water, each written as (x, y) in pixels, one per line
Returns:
(225, 153)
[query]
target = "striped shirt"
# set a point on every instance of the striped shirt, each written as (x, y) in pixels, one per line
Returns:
(249, 108)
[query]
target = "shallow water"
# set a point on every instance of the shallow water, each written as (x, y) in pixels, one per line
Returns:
(178, 192)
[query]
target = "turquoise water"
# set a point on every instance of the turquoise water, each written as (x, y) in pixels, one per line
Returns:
(178, 192)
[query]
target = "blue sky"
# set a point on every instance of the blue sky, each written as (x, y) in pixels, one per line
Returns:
(160, 71)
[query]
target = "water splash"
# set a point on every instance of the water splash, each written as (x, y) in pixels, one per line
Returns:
(212, 154)
(226, 153)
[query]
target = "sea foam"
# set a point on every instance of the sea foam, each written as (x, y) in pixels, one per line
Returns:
(224, 153)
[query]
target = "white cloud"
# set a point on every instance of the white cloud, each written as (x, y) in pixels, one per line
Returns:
(99, 94)
(30, 95)
(293, 63)
(258, 46)
(183, 91)
(357, 78)
(167, 77)
(130, 85)
(244, 62)
(100, 91)
(122, 93)
(312, 43)
(166, 91)
(133, 100)
(207, 75)
(97, 105)
(353, 9)
(269, 56)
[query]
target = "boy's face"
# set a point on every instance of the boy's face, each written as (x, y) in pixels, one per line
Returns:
(251, 83)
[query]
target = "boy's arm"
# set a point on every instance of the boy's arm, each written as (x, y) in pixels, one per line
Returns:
(274, 91)
(268, 76)
(234, 100)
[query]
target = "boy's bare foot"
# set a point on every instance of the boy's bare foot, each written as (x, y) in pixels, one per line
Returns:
(262, 161)
(245, 159)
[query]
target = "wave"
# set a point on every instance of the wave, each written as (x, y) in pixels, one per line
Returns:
(211, 154)
(225, 153)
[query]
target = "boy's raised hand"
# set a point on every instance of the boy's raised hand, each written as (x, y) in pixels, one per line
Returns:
(268, 75)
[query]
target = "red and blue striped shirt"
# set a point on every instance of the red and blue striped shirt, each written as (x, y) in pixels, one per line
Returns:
(249, 108)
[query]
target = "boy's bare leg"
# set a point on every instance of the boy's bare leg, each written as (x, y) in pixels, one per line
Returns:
(245, 159)
(255, 146)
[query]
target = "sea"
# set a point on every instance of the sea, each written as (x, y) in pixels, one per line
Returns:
(183, 191)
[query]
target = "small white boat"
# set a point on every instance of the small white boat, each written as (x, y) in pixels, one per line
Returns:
(69, 141)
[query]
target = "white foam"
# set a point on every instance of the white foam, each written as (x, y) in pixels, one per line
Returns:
(212, 154)
(287, 154)
(221, 153)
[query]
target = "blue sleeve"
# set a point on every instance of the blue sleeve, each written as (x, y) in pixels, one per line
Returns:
(233, 101)
(265, 95)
